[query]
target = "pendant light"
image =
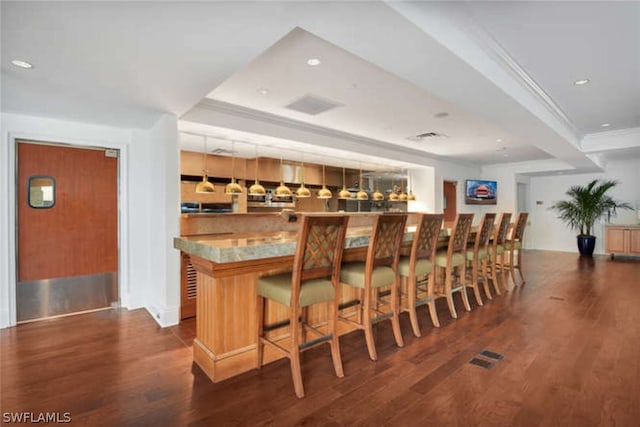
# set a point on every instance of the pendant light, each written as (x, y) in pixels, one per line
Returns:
(324, 192)
(282, 190)
(361, 195)
(205, 186)
(411, 197)
(233, 188)
(393, 197)
(377, 195)
(344, 193)
(256, 189)
(402, 196)
(302, 192)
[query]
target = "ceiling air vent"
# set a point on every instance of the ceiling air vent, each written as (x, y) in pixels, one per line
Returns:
(220, 151)
(427, 136)
(311, 104)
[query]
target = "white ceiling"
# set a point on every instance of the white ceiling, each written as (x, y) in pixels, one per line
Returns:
(503, 71)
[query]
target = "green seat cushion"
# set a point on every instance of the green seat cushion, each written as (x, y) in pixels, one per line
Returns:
(423, 266)
(456, 259)
(517, 245)
(353, 274)
(482, 254)
(278, 288)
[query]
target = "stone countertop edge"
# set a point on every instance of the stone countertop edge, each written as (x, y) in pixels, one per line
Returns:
(227, 254)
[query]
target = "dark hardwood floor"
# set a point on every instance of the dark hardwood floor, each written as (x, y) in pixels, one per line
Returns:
(570, 338)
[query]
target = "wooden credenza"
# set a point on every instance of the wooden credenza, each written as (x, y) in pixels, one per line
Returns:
(622, 240)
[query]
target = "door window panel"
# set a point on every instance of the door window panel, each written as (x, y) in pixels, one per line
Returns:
(41, 191)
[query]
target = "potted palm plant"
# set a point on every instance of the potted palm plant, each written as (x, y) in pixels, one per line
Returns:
(586, 205)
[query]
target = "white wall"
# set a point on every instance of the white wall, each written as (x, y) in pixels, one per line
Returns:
(164, 161)
(548, 232)
(458, 174)
(427, 185)
(422, 183)
(149, 200)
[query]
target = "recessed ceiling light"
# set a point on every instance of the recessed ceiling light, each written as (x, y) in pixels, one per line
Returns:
(581, 82)
(499, 140)
(22, 64)
(313, 62)
(605, 125)
(263, 91)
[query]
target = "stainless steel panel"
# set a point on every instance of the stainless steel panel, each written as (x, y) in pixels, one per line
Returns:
(53, 297)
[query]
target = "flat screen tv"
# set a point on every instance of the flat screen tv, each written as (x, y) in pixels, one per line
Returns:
(481, 192)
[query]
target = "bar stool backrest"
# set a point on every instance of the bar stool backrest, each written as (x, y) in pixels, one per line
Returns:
(503, 228)
(319, 249)
(521, 222)
(484, 233)
(460, 234)
(386, 239)
(426, 236)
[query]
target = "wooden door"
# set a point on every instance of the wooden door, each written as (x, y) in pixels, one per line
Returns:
(450, 209)
(67, 252)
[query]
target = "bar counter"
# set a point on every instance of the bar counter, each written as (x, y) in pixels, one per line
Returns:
(227, 267)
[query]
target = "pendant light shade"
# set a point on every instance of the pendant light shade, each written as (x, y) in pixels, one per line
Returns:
(377, 195)
(282, 190)
(344, 193)
(256, 189)
(205, 186)
(303, 192)
(324, 192)
(233, 188)
(361, 195)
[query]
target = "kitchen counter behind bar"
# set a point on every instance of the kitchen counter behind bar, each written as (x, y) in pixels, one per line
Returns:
(228, 257)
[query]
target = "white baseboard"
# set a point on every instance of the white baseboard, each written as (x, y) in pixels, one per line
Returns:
(168, 316)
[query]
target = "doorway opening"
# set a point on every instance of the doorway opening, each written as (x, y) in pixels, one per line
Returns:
(449, 202)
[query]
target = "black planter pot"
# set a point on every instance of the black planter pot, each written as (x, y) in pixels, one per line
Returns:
(586, 245)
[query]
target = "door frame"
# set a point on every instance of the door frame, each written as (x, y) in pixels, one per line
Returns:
(123, 208)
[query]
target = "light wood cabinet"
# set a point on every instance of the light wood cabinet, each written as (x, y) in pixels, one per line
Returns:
(622, 240)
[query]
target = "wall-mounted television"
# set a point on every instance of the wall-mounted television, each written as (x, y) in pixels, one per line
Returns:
(481, 192)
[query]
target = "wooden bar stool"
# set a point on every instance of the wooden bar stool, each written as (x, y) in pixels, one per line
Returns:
(417, 269)
(453, 261)
(497, 261)
(379, 270)
(478, 257)
(514, 243)
(314, 280)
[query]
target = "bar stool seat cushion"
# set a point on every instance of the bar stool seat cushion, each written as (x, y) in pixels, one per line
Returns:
(516, 245)
(499, 249)
(353, 274)
(456, 259)
(423, 266)
(278, 288)
(482, 254)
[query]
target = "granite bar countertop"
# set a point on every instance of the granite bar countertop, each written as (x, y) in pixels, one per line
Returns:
(227, 248)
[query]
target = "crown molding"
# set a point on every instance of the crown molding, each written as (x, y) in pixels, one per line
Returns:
(499, 54)
(456, 29)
